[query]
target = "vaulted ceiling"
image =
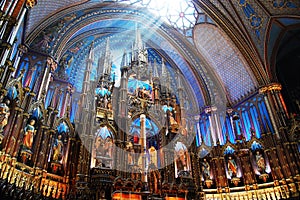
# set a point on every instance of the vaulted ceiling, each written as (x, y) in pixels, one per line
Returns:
(232, 49)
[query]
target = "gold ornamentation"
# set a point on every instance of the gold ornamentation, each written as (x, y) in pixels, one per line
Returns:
(31, 3)
(270, 87)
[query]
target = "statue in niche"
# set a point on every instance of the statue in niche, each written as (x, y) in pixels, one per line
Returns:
(181, 160)
(58, 149)
(108, 147)
(131, 155)
(173, 123)
(232, 167)
(260, 161)
(99, 146)
(205, 166)
(104, 152)
(4, 114)
(153, 156)
(105, 101)
(109, 104)
(130, 150)
(184, 132)
(29, 135)
(172, 120)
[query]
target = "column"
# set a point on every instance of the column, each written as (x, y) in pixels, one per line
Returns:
(144, 147)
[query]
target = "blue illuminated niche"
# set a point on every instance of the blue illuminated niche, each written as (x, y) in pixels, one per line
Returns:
(255, 146)
(104, 132)
(102, 91)
(134, 84)
(229, 150)
(151, 127)
(62, 128)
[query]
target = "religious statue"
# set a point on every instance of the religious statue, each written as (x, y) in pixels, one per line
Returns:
(109, 104)
(232, 167)
(153, 155)
(99, 145)
(57, 149)
(205, 169)
(28, 135)
(172, 120)
(260, 161)
(173, 123)
(130, 150)
(108, 147)
(131, 155)
(104, 151)
(181, 160)
(4, 114)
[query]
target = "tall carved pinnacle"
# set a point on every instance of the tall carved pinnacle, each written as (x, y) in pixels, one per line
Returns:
(107, 58)
(138, 40)
(150, 71)
(91, 93)
(163, 69)
(164, 74)
(155, 70)
(99, 67)
(139, 52)
(132, 52)
(168, 82)
(91, 52)
(87, 74)
(124, 61)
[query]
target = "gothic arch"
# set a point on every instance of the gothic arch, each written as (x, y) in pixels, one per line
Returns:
(68, 123)
(280, 36)
(110, 127)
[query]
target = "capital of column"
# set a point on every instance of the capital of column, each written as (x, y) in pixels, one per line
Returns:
(210, 109)
(270, 87)
(51, 64)
(22, 49)
(143, 117)
(229, 110)
(197, 117)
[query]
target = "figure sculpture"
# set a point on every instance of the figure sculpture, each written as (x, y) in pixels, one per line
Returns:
(4, 114)
(57, 149)
(260, 161)
(29, 135)
(205, 169)
(232, 167)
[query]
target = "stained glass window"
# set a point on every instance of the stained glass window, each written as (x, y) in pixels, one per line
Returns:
(181, 13)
